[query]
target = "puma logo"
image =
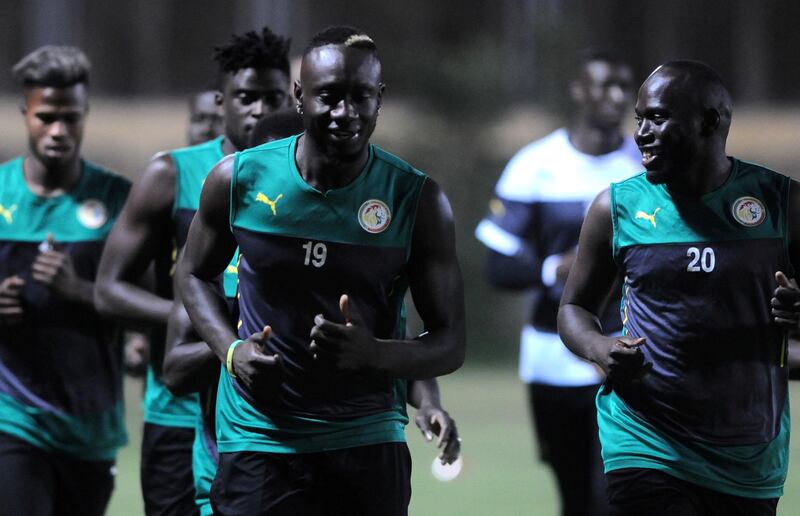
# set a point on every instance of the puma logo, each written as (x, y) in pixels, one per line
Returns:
(263, 198)
(8, 213)
(652, 218)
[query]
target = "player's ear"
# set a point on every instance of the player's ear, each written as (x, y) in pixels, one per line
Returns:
(710, 122)
(381, 89)
(298, 92)
(218, 98)
(298, 96)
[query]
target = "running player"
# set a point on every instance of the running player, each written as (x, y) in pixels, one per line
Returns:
(191, 366)
(310, 415)
(205, 117)
(61, 413)
(694, 416)
(531, 234)
(255, 81)
(205, 123)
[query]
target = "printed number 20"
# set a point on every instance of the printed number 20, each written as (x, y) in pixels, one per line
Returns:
(315, 253)
(705, 259)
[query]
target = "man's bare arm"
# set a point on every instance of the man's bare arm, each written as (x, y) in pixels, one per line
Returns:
(208, 250)
(585, 294)
(189, 364)
(140, 234)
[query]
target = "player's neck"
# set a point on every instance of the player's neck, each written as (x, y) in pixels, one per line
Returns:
(228, 147)
(594, 140)
(706, 175)
(325, 172)
(52, 181)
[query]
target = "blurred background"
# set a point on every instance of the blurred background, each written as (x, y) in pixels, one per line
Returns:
(469, 83)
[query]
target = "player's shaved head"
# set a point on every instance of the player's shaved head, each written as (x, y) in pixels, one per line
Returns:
(699, 84)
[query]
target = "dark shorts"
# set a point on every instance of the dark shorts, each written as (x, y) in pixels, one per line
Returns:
(633, 492)
(166, 471)
(35, 482)
(367, 480)
(565, 419)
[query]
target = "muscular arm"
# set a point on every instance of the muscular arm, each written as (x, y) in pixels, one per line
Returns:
(189, 364)
(585, 293)
(140, 234)
(208, 250)
(437, 290)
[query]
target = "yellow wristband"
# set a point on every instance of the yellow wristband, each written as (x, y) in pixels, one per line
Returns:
(229, 359)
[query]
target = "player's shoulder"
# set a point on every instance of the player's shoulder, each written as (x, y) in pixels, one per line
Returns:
(392, 162)
(746, 168)
(210, 146)
(103, 174)
(105, 180)
(274, 147)
(11, 164)
(537, 166)
(11, 172)
(635, 182)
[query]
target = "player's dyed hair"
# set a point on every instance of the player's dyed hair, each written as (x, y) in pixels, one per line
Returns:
(253, 50)
(342, 35)
(276, 126)
(54, 66)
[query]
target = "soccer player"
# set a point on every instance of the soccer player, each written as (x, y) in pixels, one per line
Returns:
(255, 81)
(531, 234)
(694, 414)
(205, 117)
(310, 409)
(205, 123)
(61, 412)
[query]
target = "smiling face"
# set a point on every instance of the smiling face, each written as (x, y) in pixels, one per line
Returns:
(55, 120)
(669, 120)
(340, 91)
(248, 95)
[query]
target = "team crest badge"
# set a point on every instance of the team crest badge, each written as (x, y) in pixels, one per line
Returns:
(92, 214)
(748, 211)
(374, 216)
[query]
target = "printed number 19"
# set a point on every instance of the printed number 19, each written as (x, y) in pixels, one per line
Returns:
(315, 253)
(706, 259)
